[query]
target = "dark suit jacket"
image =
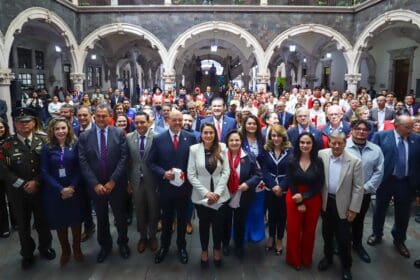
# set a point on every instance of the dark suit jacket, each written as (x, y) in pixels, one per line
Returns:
(251, 176)
(288, 119)
(326, 132)
(386, 141)
(293, 134)
(228, 124)
(164, 157)
(90, 157)
(274, 173)
(198, 122)
(114, 100)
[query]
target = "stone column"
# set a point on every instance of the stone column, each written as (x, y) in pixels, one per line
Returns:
(6, 76)
(263, 2)
(114, 2)
(168, 2)
(262, 79)
(75, 2)
(246, 78)
(352, 81)
(78, 79)
(168, 80)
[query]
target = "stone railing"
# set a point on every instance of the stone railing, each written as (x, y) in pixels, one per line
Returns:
(218, 2)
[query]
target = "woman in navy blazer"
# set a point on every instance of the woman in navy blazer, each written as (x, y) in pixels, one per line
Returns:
(253, 144)
(273, 163)
(243, 178)
(61, 192)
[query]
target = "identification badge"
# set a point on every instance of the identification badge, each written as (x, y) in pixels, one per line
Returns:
(62, 172)
(19, 182)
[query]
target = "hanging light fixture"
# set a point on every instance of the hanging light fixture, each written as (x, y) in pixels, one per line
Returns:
(292, 48)
(213, 46)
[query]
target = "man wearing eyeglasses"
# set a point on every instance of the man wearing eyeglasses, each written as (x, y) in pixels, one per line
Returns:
(401, 149)
(335, 123)
(373, 170)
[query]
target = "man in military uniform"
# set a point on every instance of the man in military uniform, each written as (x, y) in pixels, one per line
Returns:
(21, 155)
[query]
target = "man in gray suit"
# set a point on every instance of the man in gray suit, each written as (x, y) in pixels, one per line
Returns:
(381, 113)
(342, 197)
(142, 182)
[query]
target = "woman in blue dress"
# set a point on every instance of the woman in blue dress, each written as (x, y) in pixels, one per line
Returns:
(273, 161)
(61, 192)
(253, 144)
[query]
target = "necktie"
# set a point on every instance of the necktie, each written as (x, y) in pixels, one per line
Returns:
(219, 133)
(176, 143)
(282, 119)
(410, 110)
(401, 162)
(27, 143)
(142, 146)
(103, 153)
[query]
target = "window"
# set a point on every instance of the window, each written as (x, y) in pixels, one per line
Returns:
(94, 76)
(40, 80)
(25, 79)
(90, 76)
(24, 58)
(39, 60)
(98, 76)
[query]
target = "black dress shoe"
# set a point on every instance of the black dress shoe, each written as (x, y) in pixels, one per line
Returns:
(400, 246)
(103, 254)
(27, 263)
(204, 263)
(362, 253)
(226, 251)
(374, 240)
(48, 254)
(347, 275)
(124, 251)
(5, 234)
(417, 263)
(160, 255)
(183, 256)
(324, 264)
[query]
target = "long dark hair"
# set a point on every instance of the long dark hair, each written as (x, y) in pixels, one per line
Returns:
(215, 147)
(258, 133)
(6, 129)
(296, 151)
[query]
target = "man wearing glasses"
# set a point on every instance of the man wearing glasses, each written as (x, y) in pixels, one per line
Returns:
(373, 170)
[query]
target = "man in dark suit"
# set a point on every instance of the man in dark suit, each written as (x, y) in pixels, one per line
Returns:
(335, 116)
(20, 154)
(116, 98)
(169, 151)
(381, 113)
(302, 118)
(209, 95)
(409, 105)
(285, 118)
(223, 123)
(142, 182)
(196, 118)
(401, 149)
(103, 158)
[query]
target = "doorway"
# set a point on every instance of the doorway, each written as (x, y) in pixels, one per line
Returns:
(326, 72)
(401, 72)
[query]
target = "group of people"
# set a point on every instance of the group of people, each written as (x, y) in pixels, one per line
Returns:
(256, 156)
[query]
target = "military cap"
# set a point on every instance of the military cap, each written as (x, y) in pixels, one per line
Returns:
(23, 114)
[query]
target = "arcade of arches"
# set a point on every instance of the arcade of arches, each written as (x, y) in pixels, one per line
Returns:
(40, 50)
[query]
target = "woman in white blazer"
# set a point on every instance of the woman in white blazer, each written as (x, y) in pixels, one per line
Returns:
(208, 173)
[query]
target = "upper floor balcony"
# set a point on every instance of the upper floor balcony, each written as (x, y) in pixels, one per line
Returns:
(330, 3)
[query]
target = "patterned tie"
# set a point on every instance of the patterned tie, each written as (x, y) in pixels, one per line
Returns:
(176, 143)
(103, 153)
(400, 166)
(142, 146)
(218, 130)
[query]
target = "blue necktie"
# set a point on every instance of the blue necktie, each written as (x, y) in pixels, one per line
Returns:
(103, 154)
(142, 146)
(401, 162)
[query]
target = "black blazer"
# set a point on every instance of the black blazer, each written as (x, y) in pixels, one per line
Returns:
(163, 157)
(90, 157)
(251, 176)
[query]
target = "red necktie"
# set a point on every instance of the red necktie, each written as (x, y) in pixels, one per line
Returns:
(176, 143)
(219, 133)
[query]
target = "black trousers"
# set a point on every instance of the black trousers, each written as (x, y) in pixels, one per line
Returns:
(4, 213)
(171, 206)
(208, 217)
(334, 226)
(24, 206)
(276, 207)
(86, 207)
(237, 217)
(357, 224)
(116, 199)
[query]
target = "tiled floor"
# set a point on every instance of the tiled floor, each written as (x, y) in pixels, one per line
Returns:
(386, 262)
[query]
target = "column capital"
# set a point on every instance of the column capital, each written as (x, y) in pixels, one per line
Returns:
(352, 78)
(77, 77)
(169, 80)
(6, 76)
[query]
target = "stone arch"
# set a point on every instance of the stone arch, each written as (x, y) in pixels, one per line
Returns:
(50, 18)
(386, 18)
(210, 26)
(342, 42)
(121, 28)
(2, 58)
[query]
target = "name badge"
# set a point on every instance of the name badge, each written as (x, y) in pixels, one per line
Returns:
(62, 172)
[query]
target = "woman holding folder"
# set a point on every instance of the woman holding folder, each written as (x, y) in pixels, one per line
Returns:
(208, 173)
